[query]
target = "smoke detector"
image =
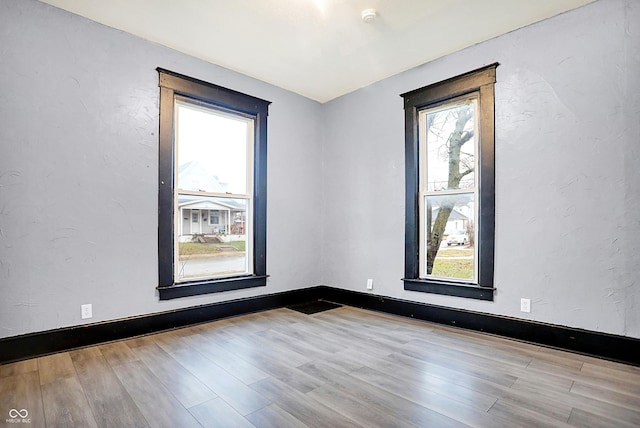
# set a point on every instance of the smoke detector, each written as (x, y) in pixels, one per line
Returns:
(369, 15)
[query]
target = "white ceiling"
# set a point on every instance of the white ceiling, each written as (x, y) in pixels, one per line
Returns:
(317, 48)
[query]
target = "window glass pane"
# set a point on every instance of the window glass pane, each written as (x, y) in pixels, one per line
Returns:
(450, 236)
(450, 146)
(211, 150)
(214, 217)
(212, 237)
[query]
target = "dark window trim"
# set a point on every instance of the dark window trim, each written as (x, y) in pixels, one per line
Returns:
(480, 82)
(171, 85)
(195, 288)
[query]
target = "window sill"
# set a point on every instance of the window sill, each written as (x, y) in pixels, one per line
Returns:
(449, 289)
(195, 288)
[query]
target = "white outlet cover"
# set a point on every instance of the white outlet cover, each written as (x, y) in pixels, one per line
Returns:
(86, 311)
(525, 305)
(369, 284)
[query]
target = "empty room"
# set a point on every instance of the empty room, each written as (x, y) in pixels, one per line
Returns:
(320, 213)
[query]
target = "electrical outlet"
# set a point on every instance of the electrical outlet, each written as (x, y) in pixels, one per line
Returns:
(369, 284)
(86, 311)
(525, 305)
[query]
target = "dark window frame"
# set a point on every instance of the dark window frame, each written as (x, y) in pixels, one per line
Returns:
(171, 85)
(480, 82)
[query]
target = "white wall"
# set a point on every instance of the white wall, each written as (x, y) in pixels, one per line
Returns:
(78, 172)
(567, 173)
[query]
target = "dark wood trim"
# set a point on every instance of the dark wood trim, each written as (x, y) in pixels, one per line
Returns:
(165, 189)
(486, 186)
(479, 82)
(601, 345)
(260, 195)
(195, 288)
(469, 291)
(208, 92)
(173, 84)
(451, 88)
(412, 186)
(47, 342)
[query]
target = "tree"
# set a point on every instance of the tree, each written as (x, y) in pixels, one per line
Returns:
(458, 118)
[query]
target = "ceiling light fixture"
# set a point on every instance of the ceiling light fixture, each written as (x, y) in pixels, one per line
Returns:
(369, 15)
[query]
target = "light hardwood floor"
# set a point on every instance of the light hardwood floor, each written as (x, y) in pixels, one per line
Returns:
(345, 367)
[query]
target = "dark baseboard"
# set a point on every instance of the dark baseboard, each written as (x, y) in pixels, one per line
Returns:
(601, 345)
(47, 342)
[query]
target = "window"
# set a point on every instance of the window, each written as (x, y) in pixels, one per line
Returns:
(212, 194)
(450, 186)
(214, 218)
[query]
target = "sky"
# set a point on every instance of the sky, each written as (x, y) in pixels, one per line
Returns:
(436, 144)
(216, 140)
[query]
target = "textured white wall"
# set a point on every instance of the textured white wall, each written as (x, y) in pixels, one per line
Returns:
(78, 172)
(567, 176)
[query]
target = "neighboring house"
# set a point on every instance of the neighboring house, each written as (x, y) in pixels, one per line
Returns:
(457, 221)
(204, 214)
(210, 216)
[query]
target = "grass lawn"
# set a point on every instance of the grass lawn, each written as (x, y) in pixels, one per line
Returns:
(455, 252)
(192, 248)
(238, 245)
(456, 268)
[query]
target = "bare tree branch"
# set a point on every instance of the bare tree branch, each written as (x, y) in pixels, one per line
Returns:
(467, 172)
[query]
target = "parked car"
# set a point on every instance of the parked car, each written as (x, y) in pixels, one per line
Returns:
(459, 237)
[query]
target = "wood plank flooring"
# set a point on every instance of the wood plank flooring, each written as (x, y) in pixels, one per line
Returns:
(345, 367)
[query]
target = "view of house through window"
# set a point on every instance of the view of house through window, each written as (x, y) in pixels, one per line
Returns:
(212, 188)
(448, 190)
(213, 197)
